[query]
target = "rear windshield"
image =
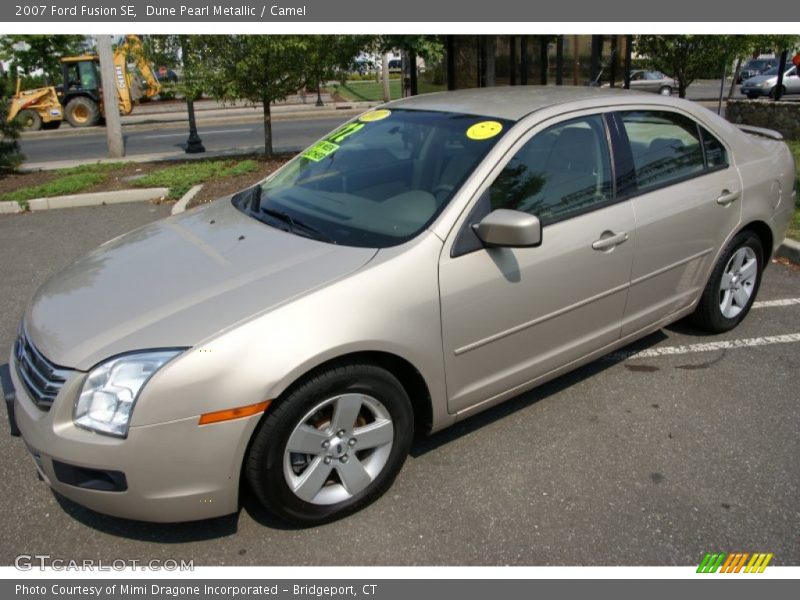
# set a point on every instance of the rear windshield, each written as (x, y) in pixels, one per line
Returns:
(378, 180)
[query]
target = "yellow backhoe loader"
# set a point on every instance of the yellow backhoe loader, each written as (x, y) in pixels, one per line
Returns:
(79, 99)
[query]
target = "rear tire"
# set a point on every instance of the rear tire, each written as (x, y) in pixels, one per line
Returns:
(82, 112)
(665, 91)
(733, 285)
(334, 444)
(29, 120)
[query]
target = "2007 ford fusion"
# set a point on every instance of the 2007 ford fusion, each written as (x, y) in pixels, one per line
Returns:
(423, 262)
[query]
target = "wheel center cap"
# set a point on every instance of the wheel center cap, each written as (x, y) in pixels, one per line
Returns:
(337, 446)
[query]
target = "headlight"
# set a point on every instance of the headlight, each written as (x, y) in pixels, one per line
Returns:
(111, 389)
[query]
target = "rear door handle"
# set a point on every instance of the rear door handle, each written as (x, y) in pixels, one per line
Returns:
(727, 197)
(609, 239)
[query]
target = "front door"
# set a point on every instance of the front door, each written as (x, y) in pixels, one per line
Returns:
(512, 315)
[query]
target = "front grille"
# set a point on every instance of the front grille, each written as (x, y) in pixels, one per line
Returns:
(42, 379)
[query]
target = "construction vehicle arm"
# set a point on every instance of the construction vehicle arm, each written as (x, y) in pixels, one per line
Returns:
(130, 88)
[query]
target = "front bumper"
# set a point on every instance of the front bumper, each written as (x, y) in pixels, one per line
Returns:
(173, 471)
(756, 91)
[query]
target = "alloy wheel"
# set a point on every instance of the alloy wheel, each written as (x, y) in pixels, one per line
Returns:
(738, 282)
(338, 448)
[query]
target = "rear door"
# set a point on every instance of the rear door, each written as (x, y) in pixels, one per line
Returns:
(687, 200)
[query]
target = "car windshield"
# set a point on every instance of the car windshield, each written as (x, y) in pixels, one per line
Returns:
(378, 180)
(757, 64)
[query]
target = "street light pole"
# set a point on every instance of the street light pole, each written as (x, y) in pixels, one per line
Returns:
(194, 145)
(319, 94)
(110, 80)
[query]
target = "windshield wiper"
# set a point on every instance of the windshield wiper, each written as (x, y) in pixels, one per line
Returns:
(295, 224)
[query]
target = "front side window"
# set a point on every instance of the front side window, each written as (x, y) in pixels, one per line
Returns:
(560, 172)
(379, 180)
(665, 147)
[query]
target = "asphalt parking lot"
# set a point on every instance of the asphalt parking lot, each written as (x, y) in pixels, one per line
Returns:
(637, 459)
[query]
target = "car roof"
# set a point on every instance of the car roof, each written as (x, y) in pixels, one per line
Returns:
(512, 102)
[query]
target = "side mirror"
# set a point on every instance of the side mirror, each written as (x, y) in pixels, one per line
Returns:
(509, 228)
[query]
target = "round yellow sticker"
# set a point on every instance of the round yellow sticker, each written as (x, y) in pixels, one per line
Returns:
(374, 115)
(484, 130)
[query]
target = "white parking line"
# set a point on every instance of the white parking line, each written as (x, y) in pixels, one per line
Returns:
(788, 338)
(166, 135)
(773, 303)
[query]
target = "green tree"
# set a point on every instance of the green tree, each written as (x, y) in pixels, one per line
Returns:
(747, 46)
(10, 155)
(331, 56)
(683, 57)
(256, 68)
(29, 53)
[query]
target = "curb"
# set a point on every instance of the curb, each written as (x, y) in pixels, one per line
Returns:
(180, 205)
(98, 198)
(789, 250)
(10, 207)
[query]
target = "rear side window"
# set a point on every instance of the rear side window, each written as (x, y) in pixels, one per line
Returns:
(716, 156)
(665, 147)
(559, 173)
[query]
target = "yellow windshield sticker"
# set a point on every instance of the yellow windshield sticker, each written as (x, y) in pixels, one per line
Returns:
(320, 150)
(484, 130)
(374, 115)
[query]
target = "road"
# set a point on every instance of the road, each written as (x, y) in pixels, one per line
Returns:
(288, 135)
(652, 459)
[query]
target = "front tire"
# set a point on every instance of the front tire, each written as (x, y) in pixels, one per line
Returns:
(733, 285)
(774, 90)
(332, 446)
(29, 120)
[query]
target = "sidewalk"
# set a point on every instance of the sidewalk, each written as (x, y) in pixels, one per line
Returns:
(174, 155)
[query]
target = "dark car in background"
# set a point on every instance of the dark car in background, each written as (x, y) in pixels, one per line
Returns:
(756, 67)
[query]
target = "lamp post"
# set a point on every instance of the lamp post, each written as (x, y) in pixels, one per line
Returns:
(194, 144)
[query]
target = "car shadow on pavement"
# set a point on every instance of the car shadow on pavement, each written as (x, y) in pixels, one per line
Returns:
(425, 444)
(685, 327)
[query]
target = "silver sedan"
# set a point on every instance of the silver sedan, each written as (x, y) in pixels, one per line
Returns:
(766, 84)
(422, 263)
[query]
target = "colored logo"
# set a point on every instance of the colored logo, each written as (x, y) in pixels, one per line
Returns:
(735, 562)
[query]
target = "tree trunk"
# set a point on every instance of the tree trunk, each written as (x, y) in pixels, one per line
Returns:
(267, 129)
(681, 89)
(736, 72)
(490, 49)
(385, 77)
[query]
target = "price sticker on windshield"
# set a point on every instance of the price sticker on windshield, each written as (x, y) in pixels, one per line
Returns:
(320, 150)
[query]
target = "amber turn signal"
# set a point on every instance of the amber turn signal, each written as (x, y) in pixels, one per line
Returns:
(233, 413)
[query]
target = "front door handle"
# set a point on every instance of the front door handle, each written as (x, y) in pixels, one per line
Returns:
(609, 240)
(727, 197)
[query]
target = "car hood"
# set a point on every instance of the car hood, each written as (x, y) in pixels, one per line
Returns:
(176, 282)
(760, 79)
